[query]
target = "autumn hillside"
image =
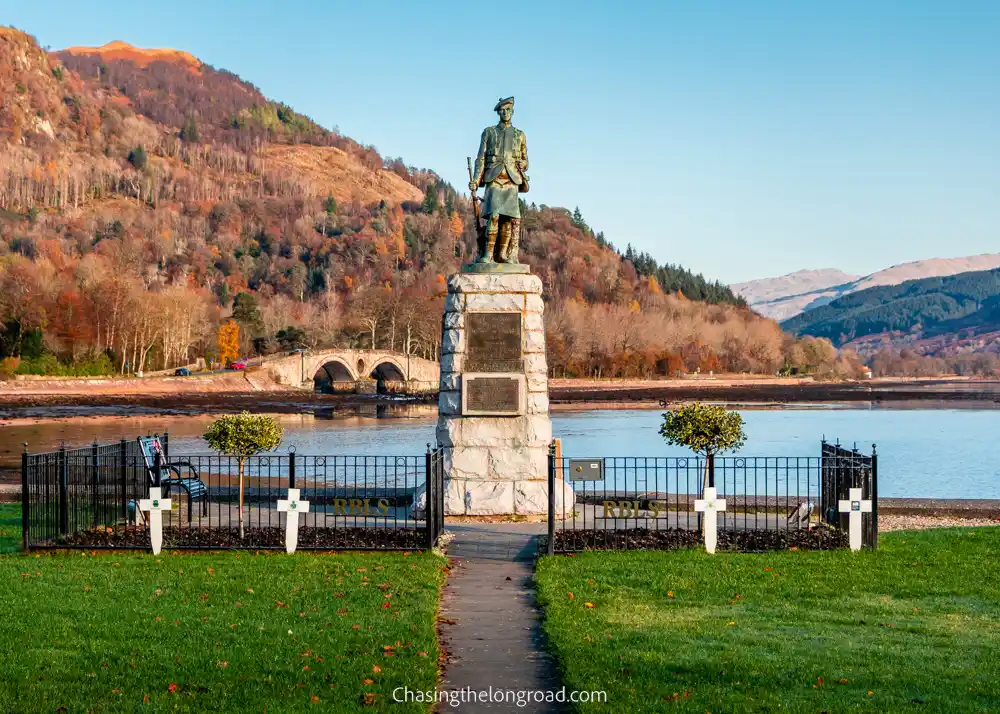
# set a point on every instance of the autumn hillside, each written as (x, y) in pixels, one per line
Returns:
(150, 202)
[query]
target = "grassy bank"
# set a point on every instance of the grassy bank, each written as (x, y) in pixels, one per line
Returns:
(219, 632)
(915, 623)
(10, 528)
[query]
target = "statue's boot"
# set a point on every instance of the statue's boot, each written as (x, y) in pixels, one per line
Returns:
(509, 254)
(491, 241)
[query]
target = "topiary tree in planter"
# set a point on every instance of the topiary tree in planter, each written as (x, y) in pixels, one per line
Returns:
(242, 436)
(705, 429)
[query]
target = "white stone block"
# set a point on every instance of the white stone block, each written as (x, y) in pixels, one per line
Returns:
(494, 283)
(497, 432)
(533, 341)
(534, 303)
(454, 303)
(478, 498)
(539, 430)
(451, 382)
(565, 500)
(538, 403)
(486, 463)
(449, 403)
(418, 509)
(537, 382)
(488, 498)
(533, 322)
(499, 302)
(454, 497)
(532, 498)
(535, 363)
(451, 362)
(468, 462)
(454, 319)
(453, 340)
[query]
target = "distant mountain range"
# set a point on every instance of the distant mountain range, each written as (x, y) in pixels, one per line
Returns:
(784, 297)
(936, 316)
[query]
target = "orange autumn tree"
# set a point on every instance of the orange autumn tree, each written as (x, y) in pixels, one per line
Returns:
(229, 341)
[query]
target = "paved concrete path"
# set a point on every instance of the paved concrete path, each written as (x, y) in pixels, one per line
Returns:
(491, 628)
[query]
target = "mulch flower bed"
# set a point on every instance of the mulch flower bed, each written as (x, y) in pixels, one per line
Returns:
(322, 538)
(750, 541)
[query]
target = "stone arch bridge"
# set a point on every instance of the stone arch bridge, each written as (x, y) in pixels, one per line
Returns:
(343, 368)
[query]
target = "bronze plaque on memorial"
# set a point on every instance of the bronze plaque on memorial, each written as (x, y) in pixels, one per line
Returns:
(492, 395)
(494, 342)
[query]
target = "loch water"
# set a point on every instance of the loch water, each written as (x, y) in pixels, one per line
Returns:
(923, 453)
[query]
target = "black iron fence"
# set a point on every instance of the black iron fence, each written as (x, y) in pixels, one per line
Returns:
(89, 498)
(649, 502)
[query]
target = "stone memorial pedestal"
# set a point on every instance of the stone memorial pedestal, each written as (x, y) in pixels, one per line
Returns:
(493, 423)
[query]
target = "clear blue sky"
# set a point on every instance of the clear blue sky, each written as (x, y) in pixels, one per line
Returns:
(739, 139)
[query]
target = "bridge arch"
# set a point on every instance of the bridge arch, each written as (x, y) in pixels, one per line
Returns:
(329, 371)
(388, 369)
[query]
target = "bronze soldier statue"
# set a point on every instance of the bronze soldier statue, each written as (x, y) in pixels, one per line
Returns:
(500, 167)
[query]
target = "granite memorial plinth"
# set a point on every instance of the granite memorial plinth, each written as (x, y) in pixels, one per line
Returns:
(493, 408)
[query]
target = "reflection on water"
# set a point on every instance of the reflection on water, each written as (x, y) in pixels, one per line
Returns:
(940, 453)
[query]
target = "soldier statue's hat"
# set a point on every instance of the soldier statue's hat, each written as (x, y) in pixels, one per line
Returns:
(501, 102)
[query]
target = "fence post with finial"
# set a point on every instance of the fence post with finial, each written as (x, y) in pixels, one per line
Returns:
(25, 500)
(95, 480)
(430, 499)
(63, 490)
(123, 476)
(874, 497)
(551, 520)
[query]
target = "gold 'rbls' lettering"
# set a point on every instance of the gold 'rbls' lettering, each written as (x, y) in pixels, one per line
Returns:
(360, 507)
(631, 509)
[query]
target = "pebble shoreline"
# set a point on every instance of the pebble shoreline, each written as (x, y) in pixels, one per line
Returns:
(887, 523)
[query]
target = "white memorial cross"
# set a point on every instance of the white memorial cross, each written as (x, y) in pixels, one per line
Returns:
(710, 505)
(292, 508)
(155, 505)
(855, 506)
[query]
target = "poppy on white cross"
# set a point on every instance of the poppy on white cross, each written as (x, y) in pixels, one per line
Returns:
(155, 505)
(710, 505)
(855, 506)
(292, 508)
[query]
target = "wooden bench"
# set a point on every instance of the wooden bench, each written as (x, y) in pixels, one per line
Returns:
(170, 474)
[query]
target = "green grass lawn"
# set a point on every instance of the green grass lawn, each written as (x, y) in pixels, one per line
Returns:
(215, 631)
(914, 625)
(10, 528)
